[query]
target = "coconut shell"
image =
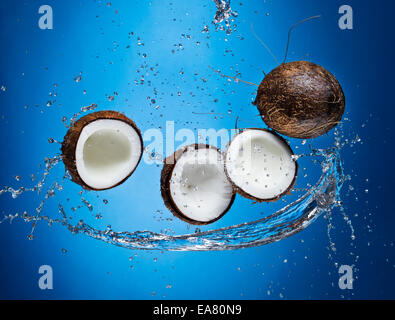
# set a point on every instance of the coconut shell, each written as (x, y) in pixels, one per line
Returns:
(301, 100)
(165, 178)
(240, 191)
(70, 140)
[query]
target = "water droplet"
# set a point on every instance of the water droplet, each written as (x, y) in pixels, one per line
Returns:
(78, 78)
(205, 29)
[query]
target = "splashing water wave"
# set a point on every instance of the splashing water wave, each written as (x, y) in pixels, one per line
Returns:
(293, 218)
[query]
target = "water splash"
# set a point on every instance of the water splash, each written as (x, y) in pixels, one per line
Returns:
(75, 116)
(318, 200)
(224, 14)
(49, 164)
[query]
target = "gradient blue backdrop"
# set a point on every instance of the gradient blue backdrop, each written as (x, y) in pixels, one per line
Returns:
(94, 39)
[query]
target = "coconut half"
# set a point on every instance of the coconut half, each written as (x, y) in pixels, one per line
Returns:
(102, 149)
(194, 185)
(260, 165)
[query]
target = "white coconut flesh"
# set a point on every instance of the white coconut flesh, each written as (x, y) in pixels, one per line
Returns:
(107, 151)
(260, 164)
(198, 185)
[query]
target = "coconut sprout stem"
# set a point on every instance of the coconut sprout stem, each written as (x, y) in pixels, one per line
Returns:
(264, 44)
(290, 30)
(234, 78)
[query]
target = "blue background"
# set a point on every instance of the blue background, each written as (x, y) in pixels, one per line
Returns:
(94, 39)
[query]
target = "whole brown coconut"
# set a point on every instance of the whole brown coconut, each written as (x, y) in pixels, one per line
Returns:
(301, 100)
(70, 142)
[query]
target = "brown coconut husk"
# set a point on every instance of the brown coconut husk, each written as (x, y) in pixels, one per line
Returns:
(301, 100)
(240, 191)
(166, 174)
(71, 138)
